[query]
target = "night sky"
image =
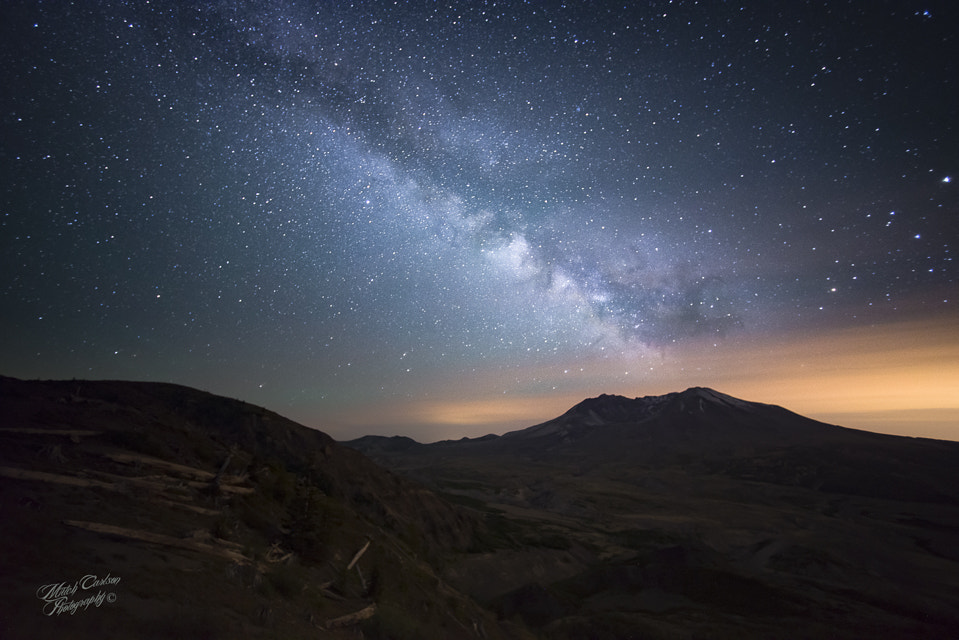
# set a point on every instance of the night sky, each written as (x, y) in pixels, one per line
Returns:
(452, 218)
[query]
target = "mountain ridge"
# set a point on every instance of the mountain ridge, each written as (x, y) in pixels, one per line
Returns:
(602, 410)
(692, 514)
(687, 514)
(708, 430)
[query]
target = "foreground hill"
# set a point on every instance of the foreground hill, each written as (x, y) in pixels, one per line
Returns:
(696, 514)
(155, 511)
(148, 510)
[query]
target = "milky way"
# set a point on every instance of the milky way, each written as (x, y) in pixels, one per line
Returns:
(321, 205)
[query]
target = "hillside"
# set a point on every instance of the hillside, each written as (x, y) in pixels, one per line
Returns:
(696, 514)
(155, 511)
(204, 517)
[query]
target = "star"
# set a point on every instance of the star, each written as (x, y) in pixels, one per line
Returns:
(458, 200)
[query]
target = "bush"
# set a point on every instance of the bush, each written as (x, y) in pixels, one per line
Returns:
(308, 523)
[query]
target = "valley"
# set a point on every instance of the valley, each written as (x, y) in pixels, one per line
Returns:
(690, 515)
(799, 530)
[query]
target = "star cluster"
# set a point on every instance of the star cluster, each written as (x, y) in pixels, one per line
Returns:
(320, 206)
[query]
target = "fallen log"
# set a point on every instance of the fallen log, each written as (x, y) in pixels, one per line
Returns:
(183, 470)
(72, 433)
(352, 618)
(358, 555)
(189, 507)
(55, 478)
(156, 538)
(332, 595)
(163, 483)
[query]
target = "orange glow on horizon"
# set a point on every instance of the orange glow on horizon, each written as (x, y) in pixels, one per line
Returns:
(904, 366)
(897, 378)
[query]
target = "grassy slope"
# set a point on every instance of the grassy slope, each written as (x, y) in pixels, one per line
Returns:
(117, 478)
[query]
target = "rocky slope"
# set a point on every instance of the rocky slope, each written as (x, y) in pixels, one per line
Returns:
(154, 510)
(695, 514)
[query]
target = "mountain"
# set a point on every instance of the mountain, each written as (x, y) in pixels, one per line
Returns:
(703, 429)
(157, 511)
(154, 510)
(697, 514)
(608, 426)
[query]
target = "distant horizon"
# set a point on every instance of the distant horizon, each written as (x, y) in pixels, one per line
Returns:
(454, 218)
(474, 419)
(936, 424)
(873, 378)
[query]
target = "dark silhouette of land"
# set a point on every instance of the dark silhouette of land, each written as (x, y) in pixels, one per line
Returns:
(689, 515)
(696, 514)
(221, 519)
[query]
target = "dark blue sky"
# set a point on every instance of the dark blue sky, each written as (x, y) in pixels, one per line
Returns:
(371, 216)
